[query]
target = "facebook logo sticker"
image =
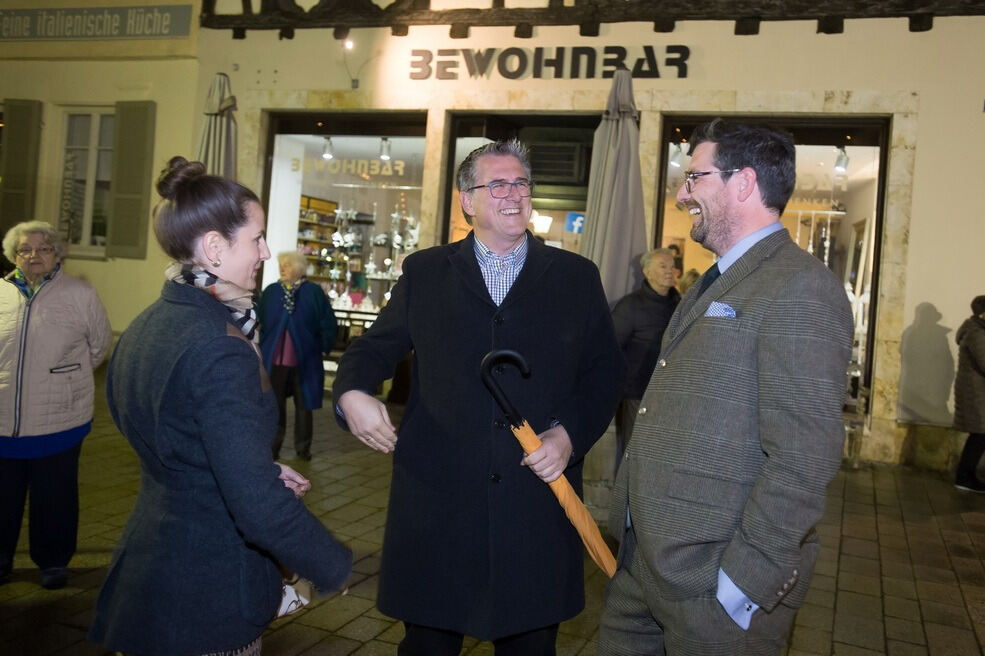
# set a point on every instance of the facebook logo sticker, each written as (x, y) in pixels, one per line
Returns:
(574, 222)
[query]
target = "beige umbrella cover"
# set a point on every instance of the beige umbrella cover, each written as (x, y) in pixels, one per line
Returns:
(615, 231)
(217, 147)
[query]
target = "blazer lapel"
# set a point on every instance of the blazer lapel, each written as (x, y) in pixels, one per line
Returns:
(539, 258)
(693, 307)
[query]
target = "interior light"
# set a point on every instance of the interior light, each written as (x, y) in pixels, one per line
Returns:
(841, 162)
(349, 44)
(385, 149)
(326, 149)
(542, 222)
(677, 157)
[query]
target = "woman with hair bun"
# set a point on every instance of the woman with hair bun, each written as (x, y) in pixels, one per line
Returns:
(196, 571)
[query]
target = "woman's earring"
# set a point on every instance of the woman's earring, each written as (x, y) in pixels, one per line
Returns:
(215, 263)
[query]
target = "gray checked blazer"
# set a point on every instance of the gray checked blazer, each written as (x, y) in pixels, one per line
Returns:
(740, 430)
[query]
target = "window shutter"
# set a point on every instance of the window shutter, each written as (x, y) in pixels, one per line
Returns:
(133, 172)
(19, 165)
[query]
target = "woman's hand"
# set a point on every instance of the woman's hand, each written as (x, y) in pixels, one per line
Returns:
(293, 481)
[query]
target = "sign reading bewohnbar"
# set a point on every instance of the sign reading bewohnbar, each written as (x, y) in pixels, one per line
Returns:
(96, 23)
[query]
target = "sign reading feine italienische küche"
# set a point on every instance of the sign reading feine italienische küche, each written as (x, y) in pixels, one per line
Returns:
(95, 23)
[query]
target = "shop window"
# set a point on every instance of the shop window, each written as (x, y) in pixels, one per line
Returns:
(87, 166)
(348, 197)
(834, 212)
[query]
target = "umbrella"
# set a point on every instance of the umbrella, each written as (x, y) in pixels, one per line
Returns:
(576, 511)
(615, 232)
(217, 148)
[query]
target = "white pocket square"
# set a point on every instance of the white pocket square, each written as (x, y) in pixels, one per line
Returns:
(717, 309)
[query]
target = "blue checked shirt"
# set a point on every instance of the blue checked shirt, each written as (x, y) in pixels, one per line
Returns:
(500, 272)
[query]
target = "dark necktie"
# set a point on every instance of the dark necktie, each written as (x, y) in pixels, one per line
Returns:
(710, 275)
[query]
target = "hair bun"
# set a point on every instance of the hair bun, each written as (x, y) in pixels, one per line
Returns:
(178, 173)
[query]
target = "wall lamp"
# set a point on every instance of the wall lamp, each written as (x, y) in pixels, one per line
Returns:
(326, 150)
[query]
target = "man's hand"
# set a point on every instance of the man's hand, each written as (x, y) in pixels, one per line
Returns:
(293, 481)
(550, 460)
(368, 420)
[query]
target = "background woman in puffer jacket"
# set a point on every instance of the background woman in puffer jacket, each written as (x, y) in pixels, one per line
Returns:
(53, 333)
(969, 396)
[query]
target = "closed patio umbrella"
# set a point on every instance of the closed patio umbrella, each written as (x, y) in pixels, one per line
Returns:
(614, 236)
(573, 507)
(217, 147)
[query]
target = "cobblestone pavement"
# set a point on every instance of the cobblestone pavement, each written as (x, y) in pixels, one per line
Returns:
(900, 571)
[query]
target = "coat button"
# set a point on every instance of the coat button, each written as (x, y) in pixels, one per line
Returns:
(495, 478)
(498, 321)
(642, 410)
(662, 363)
(499, 423)
(499, 370)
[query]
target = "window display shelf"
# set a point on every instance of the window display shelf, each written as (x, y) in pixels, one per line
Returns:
(315, 241)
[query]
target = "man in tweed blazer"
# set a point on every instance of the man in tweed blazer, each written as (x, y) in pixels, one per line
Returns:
(739, 431)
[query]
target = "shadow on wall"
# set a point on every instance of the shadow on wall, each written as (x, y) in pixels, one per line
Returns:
(926, 370)
(926, 375)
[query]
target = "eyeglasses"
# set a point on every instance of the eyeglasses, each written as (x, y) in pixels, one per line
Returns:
(691, 176)
(27, 251)
(502, 189)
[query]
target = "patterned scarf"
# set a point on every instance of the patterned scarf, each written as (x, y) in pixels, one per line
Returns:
(22, 283)
(237, 300)
(291, 294)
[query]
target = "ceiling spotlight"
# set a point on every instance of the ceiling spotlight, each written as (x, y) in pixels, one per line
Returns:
(348, 44)
(326, 149)
(841, 162)
(677, 157)
(385, 149)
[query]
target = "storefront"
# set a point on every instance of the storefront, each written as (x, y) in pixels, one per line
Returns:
(898, 226)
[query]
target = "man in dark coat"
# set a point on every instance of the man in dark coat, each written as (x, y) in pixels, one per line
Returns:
(640, 318)
(475, 541)
(969, 396)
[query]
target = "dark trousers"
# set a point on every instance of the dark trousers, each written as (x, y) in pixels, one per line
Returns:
(427, 641)
(286, 381)
(53, 517)
(638, 621)
(973, 451)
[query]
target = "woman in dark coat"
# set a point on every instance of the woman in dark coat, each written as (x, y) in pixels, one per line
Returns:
(195, 571)
(297, 326)
(969, 396)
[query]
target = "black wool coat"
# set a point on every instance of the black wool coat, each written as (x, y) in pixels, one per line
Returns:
(475, 542)
(969, 384)
(640, 318)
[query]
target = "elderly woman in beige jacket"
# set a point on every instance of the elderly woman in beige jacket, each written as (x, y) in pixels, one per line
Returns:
(53, 333)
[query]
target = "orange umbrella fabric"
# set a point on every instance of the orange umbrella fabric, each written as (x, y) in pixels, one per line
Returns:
(573, 507)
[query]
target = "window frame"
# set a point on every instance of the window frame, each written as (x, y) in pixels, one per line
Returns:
(84, 249)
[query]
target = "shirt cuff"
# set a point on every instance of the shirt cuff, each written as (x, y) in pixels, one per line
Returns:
(735, 602)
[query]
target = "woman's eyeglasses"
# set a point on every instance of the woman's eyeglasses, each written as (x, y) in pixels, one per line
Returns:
(27, 251)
